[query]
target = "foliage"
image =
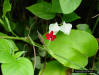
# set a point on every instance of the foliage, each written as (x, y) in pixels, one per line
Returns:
(23, 44)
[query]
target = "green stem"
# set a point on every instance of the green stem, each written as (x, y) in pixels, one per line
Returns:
(25, 39)
(14, 38)
(97, 21)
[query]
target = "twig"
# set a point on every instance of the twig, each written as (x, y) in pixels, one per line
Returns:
(95, 16)
(43, 67)
(34, 57)
(94, 27)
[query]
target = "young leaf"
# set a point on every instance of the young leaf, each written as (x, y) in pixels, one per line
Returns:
(68, 6)
(53, 68)
(74, 49)
(6, 7)
(42, 10)
(20, 53)
(20, 67)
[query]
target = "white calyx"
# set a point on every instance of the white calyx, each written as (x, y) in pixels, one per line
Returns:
(54, 27)
(65, 28)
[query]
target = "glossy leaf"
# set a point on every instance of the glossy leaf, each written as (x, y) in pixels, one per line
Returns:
(68, 6)
(42, 10)
(54, 68)
(21, 67)
(73, 50)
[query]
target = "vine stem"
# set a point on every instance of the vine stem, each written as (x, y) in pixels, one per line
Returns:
(25, 39)
(97, 21)
(15, 38)
(34, 57)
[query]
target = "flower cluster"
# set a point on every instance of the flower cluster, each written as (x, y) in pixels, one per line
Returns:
(54, 29)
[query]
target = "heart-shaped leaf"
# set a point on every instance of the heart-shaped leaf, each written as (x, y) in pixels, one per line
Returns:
(7, 48)
(73, 50)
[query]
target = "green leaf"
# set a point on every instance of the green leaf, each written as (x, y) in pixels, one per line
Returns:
(42, 10)
(56, 6)
(6, 7)
(54, 68)
(68, 6)
(6, 47)
(21, 67)
(70, 17)
(84, 27)
(6, 57)
(73, 50)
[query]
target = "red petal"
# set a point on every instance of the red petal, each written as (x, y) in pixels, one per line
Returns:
(47, 35)
(51, 33)
(52, 39)
(54, 36)
(50, 36)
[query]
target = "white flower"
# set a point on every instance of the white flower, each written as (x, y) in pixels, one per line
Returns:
(66, 28)
(54, 27)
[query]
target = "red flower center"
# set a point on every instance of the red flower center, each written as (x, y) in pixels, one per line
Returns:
(50, 36)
